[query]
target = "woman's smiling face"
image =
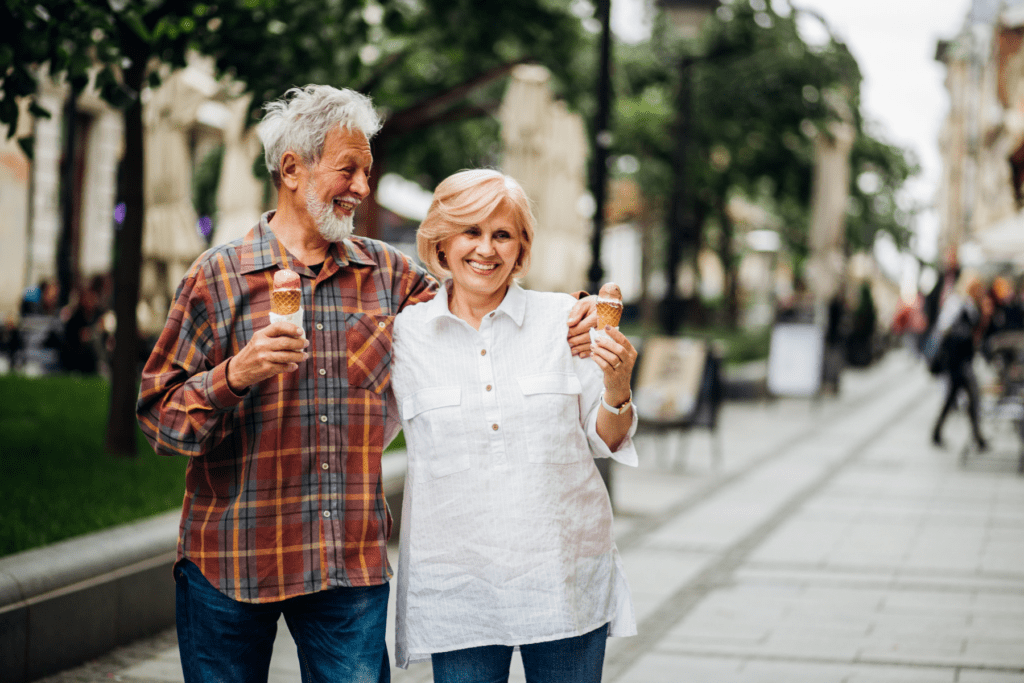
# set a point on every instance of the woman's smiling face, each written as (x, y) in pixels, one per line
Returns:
(482, 257)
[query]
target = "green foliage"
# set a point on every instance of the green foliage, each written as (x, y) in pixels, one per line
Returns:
(759, 96)
(402, 54)
(73, 36)
(58, 481)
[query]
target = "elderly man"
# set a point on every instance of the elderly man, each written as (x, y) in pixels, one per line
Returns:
(284, 510)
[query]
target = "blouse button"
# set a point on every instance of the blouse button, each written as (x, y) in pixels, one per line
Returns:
(483, 352)
(327, 513)
(381, 325)
(322, 372)
(319, 326)
(488, 387)
(494, 427)
(323, 418)
(324, 466)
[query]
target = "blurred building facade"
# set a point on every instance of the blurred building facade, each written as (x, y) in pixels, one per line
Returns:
(188, 116)
(981, 195)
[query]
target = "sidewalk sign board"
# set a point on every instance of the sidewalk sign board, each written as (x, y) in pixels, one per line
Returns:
(795, 359)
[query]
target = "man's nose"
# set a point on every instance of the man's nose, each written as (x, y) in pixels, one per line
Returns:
(360, 185)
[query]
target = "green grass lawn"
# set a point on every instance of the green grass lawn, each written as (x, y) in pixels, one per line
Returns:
(57, 481)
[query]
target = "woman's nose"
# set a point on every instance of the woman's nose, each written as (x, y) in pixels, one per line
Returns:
(485, 246)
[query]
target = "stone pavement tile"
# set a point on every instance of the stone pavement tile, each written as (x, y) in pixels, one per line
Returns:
(984, 626)
(907, 651)
(920, 627)
(929, 602)
(1008, 652)
(734, 511)
(806, 539)
(660, 571)
(660, 667)
(985, 676)
(767, 671)
(1003, 558)
(999, 604)
(165, 667)
(901, 674)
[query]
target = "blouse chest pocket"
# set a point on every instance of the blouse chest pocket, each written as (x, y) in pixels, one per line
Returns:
(552, 405)
(434, 416)
(368, 350)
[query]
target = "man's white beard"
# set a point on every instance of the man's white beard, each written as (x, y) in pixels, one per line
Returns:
(331, 228)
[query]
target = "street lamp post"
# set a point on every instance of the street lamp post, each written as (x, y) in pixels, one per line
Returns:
(686, 17)
(602, 141)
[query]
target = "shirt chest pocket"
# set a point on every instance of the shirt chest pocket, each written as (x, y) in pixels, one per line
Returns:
(368, 350)
(552, 409)
(434, 416)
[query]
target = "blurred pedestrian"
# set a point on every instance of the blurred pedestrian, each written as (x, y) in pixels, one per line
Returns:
(506, 534)
(959, 326)
(284, 511)
(10, 342)
(82, 340)
(41, 329)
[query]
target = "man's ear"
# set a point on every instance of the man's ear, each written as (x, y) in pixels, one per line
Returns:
(292, 169)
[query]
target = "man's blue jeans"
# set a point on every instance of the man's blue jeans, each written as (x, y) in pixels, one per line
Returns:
(339, 633)
(570, 660)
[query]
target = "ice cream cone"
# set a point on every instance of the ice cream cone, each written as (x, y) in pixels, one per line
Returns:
(608, 313)
(285, 301)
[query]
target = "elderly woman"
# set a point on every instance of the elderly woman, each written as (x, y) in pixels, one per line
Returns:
(506, 525)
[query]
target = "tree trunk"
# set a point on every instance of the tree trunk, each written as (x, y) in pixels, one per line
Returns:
(121, 424)
(726, 256)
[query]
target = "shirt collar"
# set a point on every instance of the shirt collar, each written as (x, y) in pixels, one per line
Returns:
(513, 305)
(261, 250)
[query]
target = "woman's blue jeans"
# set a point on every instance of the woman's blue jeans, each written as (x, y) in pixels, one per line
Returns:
(570, 660)
(339, 633)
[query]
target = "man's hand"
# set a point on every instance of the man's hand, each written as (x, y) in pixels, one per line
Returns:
(582, 317)
(275, 349)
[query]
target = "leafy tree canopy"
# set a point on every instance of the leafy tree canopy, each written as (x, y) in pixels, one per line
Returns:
(759, 96)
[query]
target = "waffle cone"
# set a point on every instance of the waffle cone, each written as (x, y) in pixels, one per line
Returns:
(608, 313)
(285, 301)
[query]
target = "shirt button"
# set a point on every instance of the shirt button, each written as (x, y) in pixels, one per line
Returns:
(322, 371)
(327, 513)
(319, 326)
(382, 325)
(324, 466)
(494, 427)
(483, 352)
(323, 418)
(488, 387)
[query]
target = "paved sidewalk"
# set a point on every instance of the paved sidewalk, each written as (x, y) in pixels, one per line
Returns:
(833, 544)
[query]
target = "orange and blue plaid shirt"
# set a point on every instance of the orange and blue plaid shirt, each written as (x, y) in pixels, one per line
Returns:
(283, 493)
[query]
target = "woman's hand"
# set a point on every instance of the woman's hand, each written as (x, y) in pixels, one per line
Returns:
(582, 317)
(616, 357)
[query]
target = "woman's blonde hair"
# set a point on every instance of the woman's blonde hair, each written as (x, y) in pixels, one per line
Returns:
(465, 199)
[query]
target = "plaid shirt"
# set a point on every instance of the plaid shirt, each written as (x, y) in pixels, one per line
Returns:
(283, 493)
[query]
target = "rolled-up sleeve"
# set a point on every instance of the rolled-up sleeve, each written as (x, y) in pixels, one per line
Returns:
(592, 380)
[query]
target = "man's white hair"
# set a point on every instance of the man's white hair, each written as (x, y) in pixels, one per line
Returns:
(302, 118)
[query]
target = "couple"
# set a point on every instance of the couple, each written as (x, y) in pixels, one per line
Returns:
(507, 528)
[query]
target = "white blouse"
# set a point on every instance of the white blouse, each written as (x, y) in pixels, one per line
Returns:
(506, 531)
